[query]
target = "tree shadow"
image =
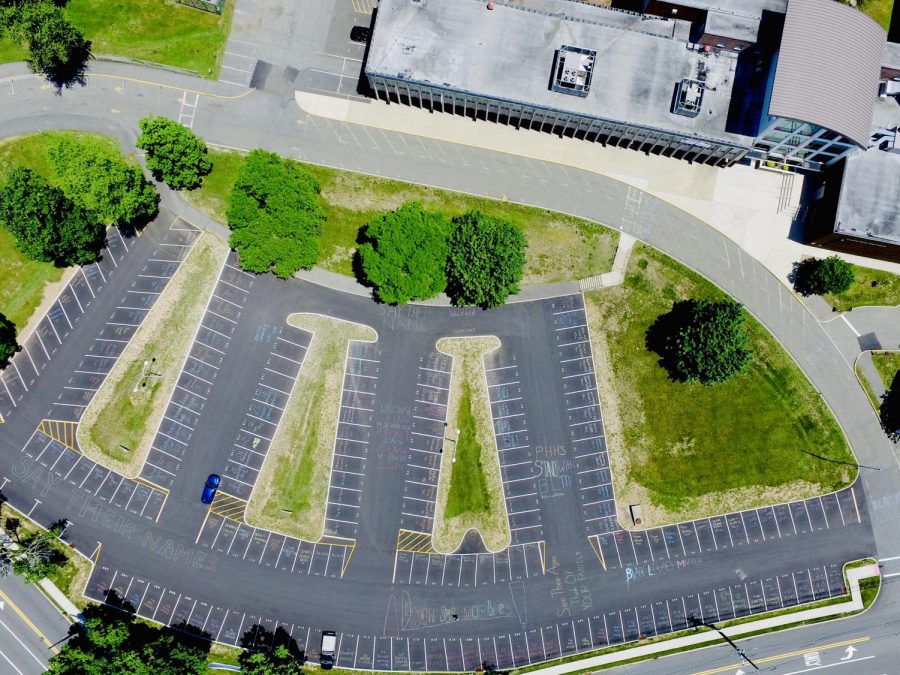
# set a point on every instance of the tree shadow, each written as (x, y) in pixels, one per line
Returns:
(661, 334)
(259, 638)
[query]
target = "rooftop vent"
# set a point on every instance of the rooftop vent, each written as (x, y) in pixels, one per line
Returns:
(572, 70)
(688, 98)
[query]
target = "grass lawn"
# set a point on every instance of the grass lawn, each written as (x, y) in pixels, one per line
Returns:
(887, 364)
(885, 291)
(11, 51)
(161, 31)
(560, 247)
(687, 450)
(880, 10)
(120, 416)
(292, 489)
(23, 281)
(470, 490)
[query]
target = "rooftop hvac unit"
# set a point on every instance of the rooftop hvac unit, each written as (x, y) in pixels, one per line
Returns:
(688, 98)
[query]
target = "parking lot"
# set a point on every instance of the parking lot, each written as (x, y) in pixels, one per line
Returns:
(73, 302)
(624, 550)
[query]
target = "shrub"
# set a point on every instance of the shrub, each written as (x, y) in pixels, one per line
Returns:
(46, 225)
(8, 344)
(275, 215)
(487, 256)
(815, 276)
(404, 254)
(174, 153)
(703, 341)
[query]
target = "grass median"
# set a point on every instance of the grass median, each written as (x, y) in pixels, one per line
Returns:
(118, 426)
(560, 248)
(684, 451)
(870, 287)
(470, 490)
(292, 489)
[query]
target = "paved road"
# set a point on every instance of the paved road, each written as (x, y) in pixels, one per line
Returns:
(30, 627)
(172, 565)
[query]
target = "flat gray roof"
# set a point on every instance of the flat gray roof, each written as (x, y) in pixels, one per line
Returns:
(508, 53)
(732, 26)
(828, 68)
(891, 55)
(870, 193)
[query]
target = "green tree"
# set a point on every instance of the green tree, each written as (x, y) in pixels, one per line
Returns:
(404, 254)
(701, 341)
(487, 256)
(277, 661)
(8, 344)
(45, 223)
(275, 215)
(890, 409)
(56, 47)
(815, 276)
(93, 173)
(174, 153)
(40, 556)
(110, 642)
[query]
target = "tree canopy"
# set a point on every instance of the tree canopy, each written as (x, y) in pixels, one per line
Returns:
(486, 259)
(40, 555)
(55, 47)
(174, 153)
(8, 344)
(701, 341)
(890, 409)
(93, 173)
(275, 215)
(816, 276)
(110, 642)
(47, 225)
(404, 254)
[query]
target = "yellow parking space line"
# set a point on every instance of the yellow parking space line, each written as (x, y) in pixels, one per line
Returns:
(61, 431)
(595, 544)
(154, 486)
(348, 555)
(410, 541)
(228, 506)
(2, 421)
(786, 655)
(22, 615)
(542, 549)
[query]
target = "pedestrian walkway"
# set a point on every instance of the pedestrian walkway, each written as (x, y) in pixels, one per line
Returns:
(617, 275)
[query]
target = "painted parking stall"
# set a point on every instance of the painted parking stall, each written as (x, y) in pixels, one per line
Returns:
(57, 325)
(354, 434)
(198, 375)
(634, 550)
(518, 469)
(428, 437)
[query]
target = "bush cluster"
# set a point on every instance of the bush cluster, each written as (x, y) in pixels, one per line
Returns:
(174, 153)
(816, 276)
(415, 254)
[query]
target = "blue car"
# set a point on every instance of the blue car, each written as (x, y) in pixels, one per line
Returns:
(209, 489)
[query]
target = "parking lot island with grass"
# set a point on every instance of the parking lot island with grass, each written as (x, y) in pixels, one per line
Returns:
(687, 450)
(470, 490)
(119, 425)
(291, 492)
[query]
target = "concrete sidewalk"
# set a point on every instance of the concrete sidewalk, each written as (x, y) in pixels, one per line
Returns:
(754, 208)
(697, 640)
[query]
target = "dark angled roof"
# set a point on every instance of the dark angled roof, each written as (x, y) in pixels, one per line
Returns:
(828, 67)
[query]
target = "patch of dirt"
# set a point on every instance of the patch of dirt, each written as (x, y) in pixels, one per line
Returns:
(167, 332)
(468, 365)
(307, 417)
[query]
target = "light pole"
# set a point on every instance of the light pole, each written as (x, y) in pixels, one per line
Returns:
(697, 622)
(146, 374)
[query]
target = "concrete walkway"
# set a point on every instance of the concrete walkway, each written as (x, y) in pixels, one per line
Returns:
(620, 263)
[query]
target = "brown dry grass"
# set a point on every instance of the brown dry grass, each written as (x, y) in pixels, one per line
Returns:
(118, 414)
(492, 524)
(297, 469)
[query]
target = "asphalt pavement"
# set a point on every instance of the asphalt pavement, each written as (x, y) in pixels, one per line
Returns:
(31, 628)
(573, 579)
